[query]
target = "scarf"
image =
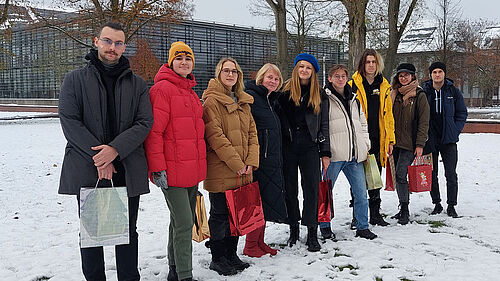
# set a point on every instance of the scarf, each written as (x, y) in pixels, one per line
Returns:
(408, 91)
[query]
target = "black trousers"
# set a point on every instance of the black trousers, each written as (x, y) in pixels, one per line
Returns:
(301, 154)
(218, 222)
(126, 255)
(449, 154)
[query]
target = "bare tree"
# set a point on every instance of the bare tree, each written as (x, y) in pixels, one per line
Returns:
(5, 12)
(278, 10)
(356, 14)
(132, 14)
(303, 18)
(447, 14)
(396, 30)
(306, 18)
(481, 67)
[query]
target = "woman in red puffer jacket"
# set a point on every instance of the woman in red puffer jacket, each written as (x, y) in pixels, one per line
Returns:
(176, 152)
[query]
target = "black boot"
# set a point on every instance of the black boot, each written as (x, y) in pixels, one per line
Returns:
(219, 262)
(366, 233)
(450, 211)
(397, 216)
(327, 233)
(231, 256)
(312, 239)
(437, 209)
(375, 216)
(353, 221)
(405, 214)
(172, 273)
(294, 235)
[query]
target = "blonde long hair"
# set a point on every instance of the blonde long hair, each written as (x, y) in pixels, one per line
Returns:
(239, 86)
(293, 86)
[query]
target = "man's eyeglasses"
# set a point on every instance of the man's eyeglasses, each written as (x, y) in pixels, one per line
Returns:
(109, 42)
(226, 71)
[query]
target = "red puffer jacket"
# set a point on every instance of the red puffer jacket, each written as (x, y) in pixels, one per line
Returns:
(176, 141)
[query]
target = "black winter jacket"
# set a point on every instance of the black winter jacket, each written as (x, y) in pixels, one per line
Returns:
(270, 173)
(82, 103)
(317, 124)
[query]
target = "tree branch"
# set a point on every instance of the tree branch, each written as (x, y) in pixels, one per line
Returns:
(273, 5)
(68, 34)
(5, 12)
(403, 25)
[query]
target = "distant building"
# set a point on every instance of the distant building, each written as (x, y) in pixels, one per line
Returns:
(420, 46)
(34, 60)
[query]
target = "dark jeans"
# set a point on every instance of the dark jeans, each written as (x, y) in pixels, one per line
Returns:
(301, 154)
(126, 255)
(402, 159)
(218, 222)
(449, 154)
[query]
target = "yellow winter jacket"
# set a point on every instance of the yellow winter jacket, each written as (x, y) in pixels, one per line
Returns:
(385, 117)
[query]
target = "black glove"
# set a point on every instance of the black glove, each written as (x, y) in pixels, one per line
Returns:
(160, 179)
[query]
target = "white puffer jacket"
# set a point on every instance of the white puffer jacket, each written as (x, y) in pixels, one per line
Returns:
(348, 137)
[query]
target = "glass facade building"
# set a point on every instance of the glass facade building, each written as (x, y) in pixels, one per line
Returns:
(34, 60)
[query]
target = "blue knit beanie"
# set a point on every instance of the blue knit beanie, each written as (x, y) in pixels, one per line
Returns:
(309, 58)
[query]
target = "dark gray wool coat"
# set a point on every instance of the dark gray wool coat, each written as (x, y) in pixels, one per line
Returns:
(81, 104)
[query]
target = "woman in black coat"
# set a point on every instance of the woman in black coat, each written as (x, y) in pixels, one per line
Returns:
(270, 173)
(303, 112)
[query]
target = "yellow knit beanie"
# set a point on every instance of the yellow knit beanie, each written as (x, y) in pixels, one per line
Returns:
(179, 48)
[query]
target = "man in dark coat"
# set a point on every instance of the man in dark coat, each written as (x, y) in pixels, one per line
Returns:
(105, 115)
(447, 119)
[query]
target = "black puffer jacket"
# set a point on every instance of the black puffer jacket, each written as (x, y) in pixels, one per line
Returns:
(270, 173)
(316, 124)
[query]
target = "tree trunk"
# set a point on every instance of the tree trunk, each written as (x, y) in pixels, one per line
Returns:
(5, 12)
(356, 11)
(395, 33)
(279, 10)
(392, 50)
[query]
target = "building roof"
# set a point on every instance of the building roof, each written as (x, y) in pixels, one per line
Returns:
(421, 38)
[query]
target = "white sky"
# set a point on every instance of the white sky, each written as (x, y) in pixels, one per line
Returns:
(237, 11)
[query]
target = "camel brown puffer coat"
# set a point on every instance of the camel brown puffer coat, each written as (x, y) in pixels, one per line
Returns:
(231, 137)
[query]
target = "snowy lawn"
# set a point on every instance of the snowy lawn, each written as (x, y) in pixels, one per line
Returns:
(39, 228)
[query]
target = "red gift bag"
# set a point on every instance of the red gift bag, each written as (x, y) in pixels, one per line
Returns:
(390, 174)
(419, 175)
(245, 209)
(325, 200)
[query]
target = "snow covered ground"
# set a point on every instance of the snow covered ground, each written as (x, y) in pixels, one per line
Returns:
(39, 228)
(17, 115)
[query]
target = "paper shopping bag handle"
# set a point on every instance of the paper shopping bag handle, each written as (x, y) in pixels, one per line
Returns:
(112, 185)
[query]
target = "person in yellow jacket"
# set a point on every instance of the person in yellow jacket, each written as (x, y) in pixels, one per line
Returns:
(373, 92)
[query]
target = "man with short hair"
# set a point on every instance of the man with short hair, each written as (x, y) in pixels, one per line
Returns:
(105, 115)
(447, 119)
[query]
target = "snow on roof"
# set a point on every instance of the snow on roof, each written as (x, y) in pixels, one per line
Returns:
(491, 34)
(421, 38)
